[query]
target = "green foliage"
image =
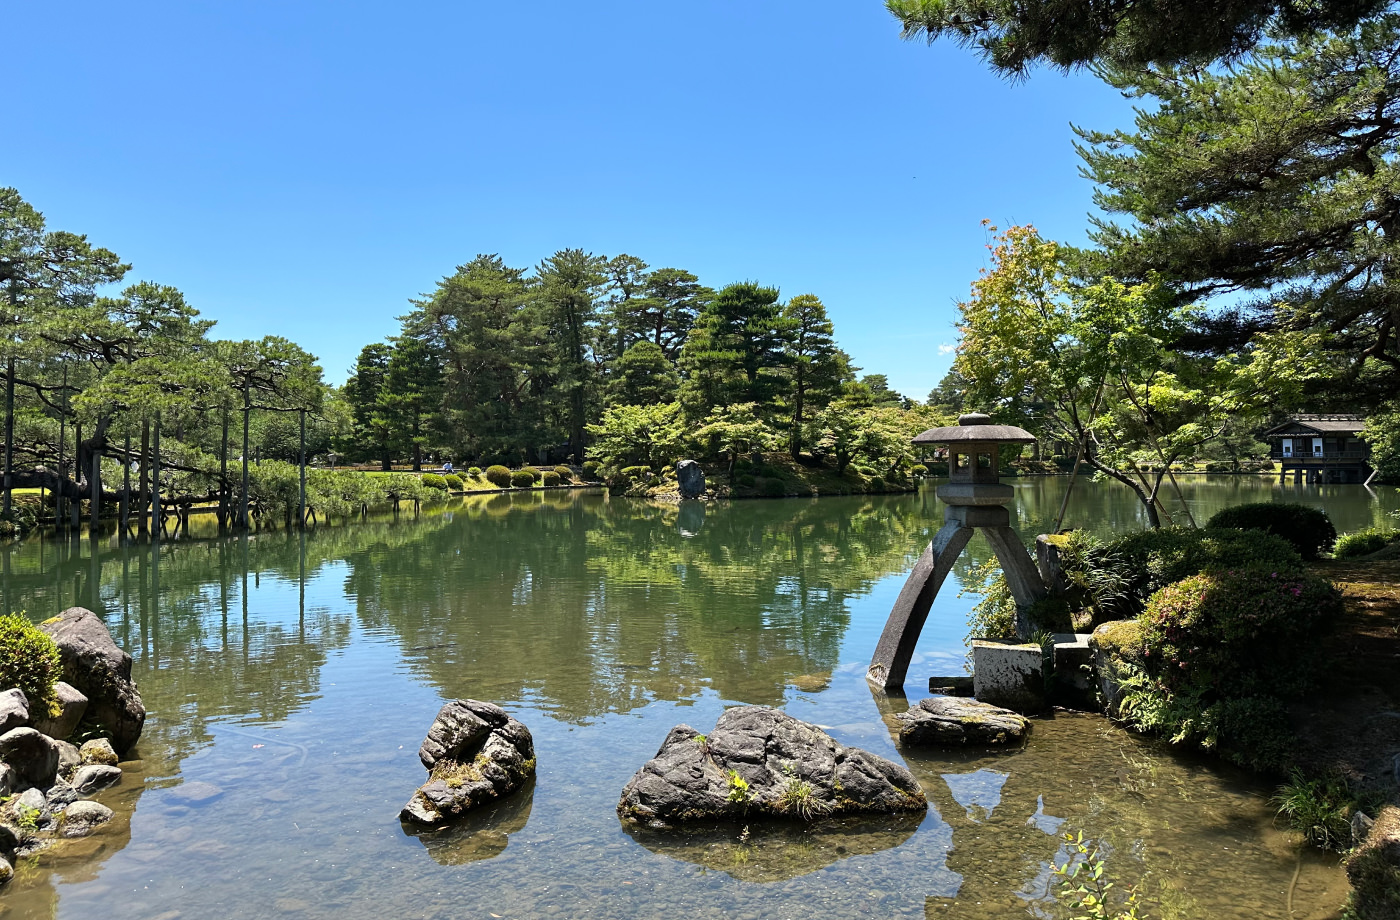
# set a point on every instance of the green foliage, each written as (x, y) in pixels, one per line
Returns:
(739, 792)
(474, 472)
(535, 474)
(1085, 887)
(434, 481)
(1308, 529)
(565, 474)
(29, 660)
(1364, 542)
(1382, 432)
(522, 479)
(773, 488)
(1319, 808)
(994, 615)
(643, 375)
(636, 436)
(454, 482)
(590, 470)
(550, 478)
(800, 799)
(918, 469)
(498, 476)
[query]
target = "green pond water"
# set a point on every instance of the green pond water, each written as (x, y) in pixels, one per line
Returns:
(291, 678)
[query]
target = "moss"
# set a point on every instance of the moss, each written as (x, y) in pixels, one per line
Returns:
(1120, 638)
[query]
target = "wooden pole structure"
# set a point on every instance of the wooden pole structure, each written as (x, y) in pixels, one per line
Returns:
(9, 431)
(126, 485)
(223, 473)
(155, 480)
(59, 497)
(75, 509)
(243, 500)
(301, 495)
(95, 503)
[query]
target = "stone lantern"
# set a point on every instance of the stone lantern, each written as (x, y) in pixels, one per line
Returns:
(975, 499)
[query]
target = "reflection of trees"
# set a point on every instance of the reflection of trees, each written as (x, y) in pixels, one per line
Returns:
(600, 605)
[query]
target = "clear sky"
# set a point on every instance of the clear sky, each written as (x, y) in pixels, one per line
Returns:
(304, 168)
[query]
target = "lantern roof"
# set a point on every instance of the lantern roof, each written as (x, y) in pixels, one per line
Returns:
(975, 426)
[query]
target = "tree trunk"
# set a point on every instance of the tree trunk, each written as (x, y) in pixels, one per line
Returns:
(243, 498)
(9, 432)
(126, 485)
(301, 492)
(95, 503)
(143, 487)
(75, 508)
(223, 473)
(155, 481)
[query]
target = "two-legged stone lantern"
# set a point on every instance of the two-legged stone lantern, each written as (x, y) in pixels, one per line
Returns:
(975, 499)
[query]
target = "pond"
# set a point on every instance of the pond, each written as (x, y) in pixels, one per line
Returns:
(291, 678)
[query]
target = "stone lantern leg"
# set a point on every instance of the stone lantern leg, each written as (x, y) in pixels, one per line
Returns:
(975, 499)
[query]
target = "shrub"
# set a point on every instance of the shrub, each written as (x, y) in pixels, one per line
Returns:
(434, 481)
(918, 469)
(29, 660)
(522, 479)
(1308, 529)
(1364, 542)
(498, 476)
(877, 484)
(565, 474)
(1243, 633)
(746, 480)
(1152, 559)
(454, 481)
(590, 470)
(550, 478)
(1320, 809)
(774, 488)
(535, 475)
(474, 472)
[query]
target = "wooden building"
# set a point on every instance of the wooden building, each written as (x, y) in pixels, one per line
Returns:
(1320, 448)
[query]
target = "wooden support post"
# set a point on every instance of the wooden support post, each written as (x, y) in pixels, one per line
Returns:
(156, 521)
(890, 663)
(126, 485)
(95, 503)
(301, 494)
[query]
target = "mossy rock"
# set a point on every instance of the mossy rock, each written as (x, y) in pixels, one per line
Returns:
(1120, 639)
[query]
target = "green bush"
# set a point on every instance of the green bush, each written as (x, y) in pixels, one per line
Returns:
(474, 472)
(565, 474)
(522, 479)
(1364, 542)
(1152, 559)
(550, 478)
(590, 470)
(773, 488)
(746, 480)
(498, 476)
(918, 469)
(535, 475)
(877, 484)
(454, 481)
(29, 660)
(1320, 809)
(434, 481)
(1308, 529)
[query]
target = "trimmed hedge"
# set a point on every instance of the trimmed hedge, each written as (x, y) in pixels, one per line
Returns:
(474, 472)
(434, 481)
(1308, 529)
(565, 474)
(522, 479)
(590, 470)
(454, 481)
(550, 478)
(535, 475)
(29, 660)
(498, 476)
(1153, 559)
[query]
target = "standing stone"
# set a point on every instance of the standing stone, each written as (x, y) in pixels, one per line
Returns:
(73, 703)
(69, 759)
(690, 479)
(97, 667)
(32, 755)
(1009, 674)
(14, 710)
(475, 753)
(758, 763)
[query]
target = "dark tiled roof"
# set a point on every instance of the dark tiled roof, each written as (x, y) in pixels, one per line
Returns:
(1322, 424)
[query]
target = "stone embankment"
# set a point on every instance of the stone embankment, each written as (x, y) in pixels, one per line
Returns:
(47, 780)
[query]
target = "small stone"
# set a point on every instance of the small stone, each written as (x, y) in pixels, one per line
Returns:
(82, 818)
(73, 703)
(946, 720)
(30, 800)
(9, 839)
(68, 758)
(7, 871)
(32, 754)
(14, 710)
(60, 796)
(99, 750)
(95, 777)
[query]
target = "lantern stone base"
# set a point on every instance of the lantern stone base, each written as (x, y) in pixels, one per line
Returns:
(1009, 674)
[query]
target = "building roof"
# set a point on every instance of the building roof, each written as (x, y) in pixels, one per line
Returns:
(1322, 424)
(974, 427)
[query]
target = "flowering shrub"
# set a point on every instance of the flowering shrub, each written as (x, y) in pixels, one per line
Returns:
(1237, 633)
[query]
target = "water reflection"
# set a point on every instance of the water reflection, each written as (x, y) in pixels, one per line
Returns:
(480, 834)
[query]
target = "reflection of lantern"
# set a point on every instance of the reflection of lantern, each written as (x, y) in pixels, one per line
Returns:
(975, 498)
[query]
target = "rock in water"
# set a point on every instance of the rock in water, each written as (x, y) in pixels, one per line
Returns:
(475, 753)
(946, 720)
(98, 750)
(82, 818)
(95, 777)
(690, 479)
(94, 665)
(762, 762)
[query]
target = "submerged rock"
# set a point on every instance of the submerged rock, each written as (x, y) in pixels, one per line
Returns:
(762, 762)
(946, 720)
(475, 753)
(98, 668)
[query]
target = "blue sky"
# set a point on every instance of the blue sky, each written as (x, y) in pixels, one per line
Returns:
(303, 169)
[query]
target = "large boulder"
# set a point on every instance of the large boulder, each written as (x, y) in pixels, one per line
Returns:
(761, 762)
(32, 755)
(72, 703)
(475, 753)
(1374, 870)
(947, 720)
(97, 667)
(690, 479)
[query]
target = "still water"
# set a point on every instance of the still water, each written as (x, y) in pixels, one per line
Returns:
(290, 679)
